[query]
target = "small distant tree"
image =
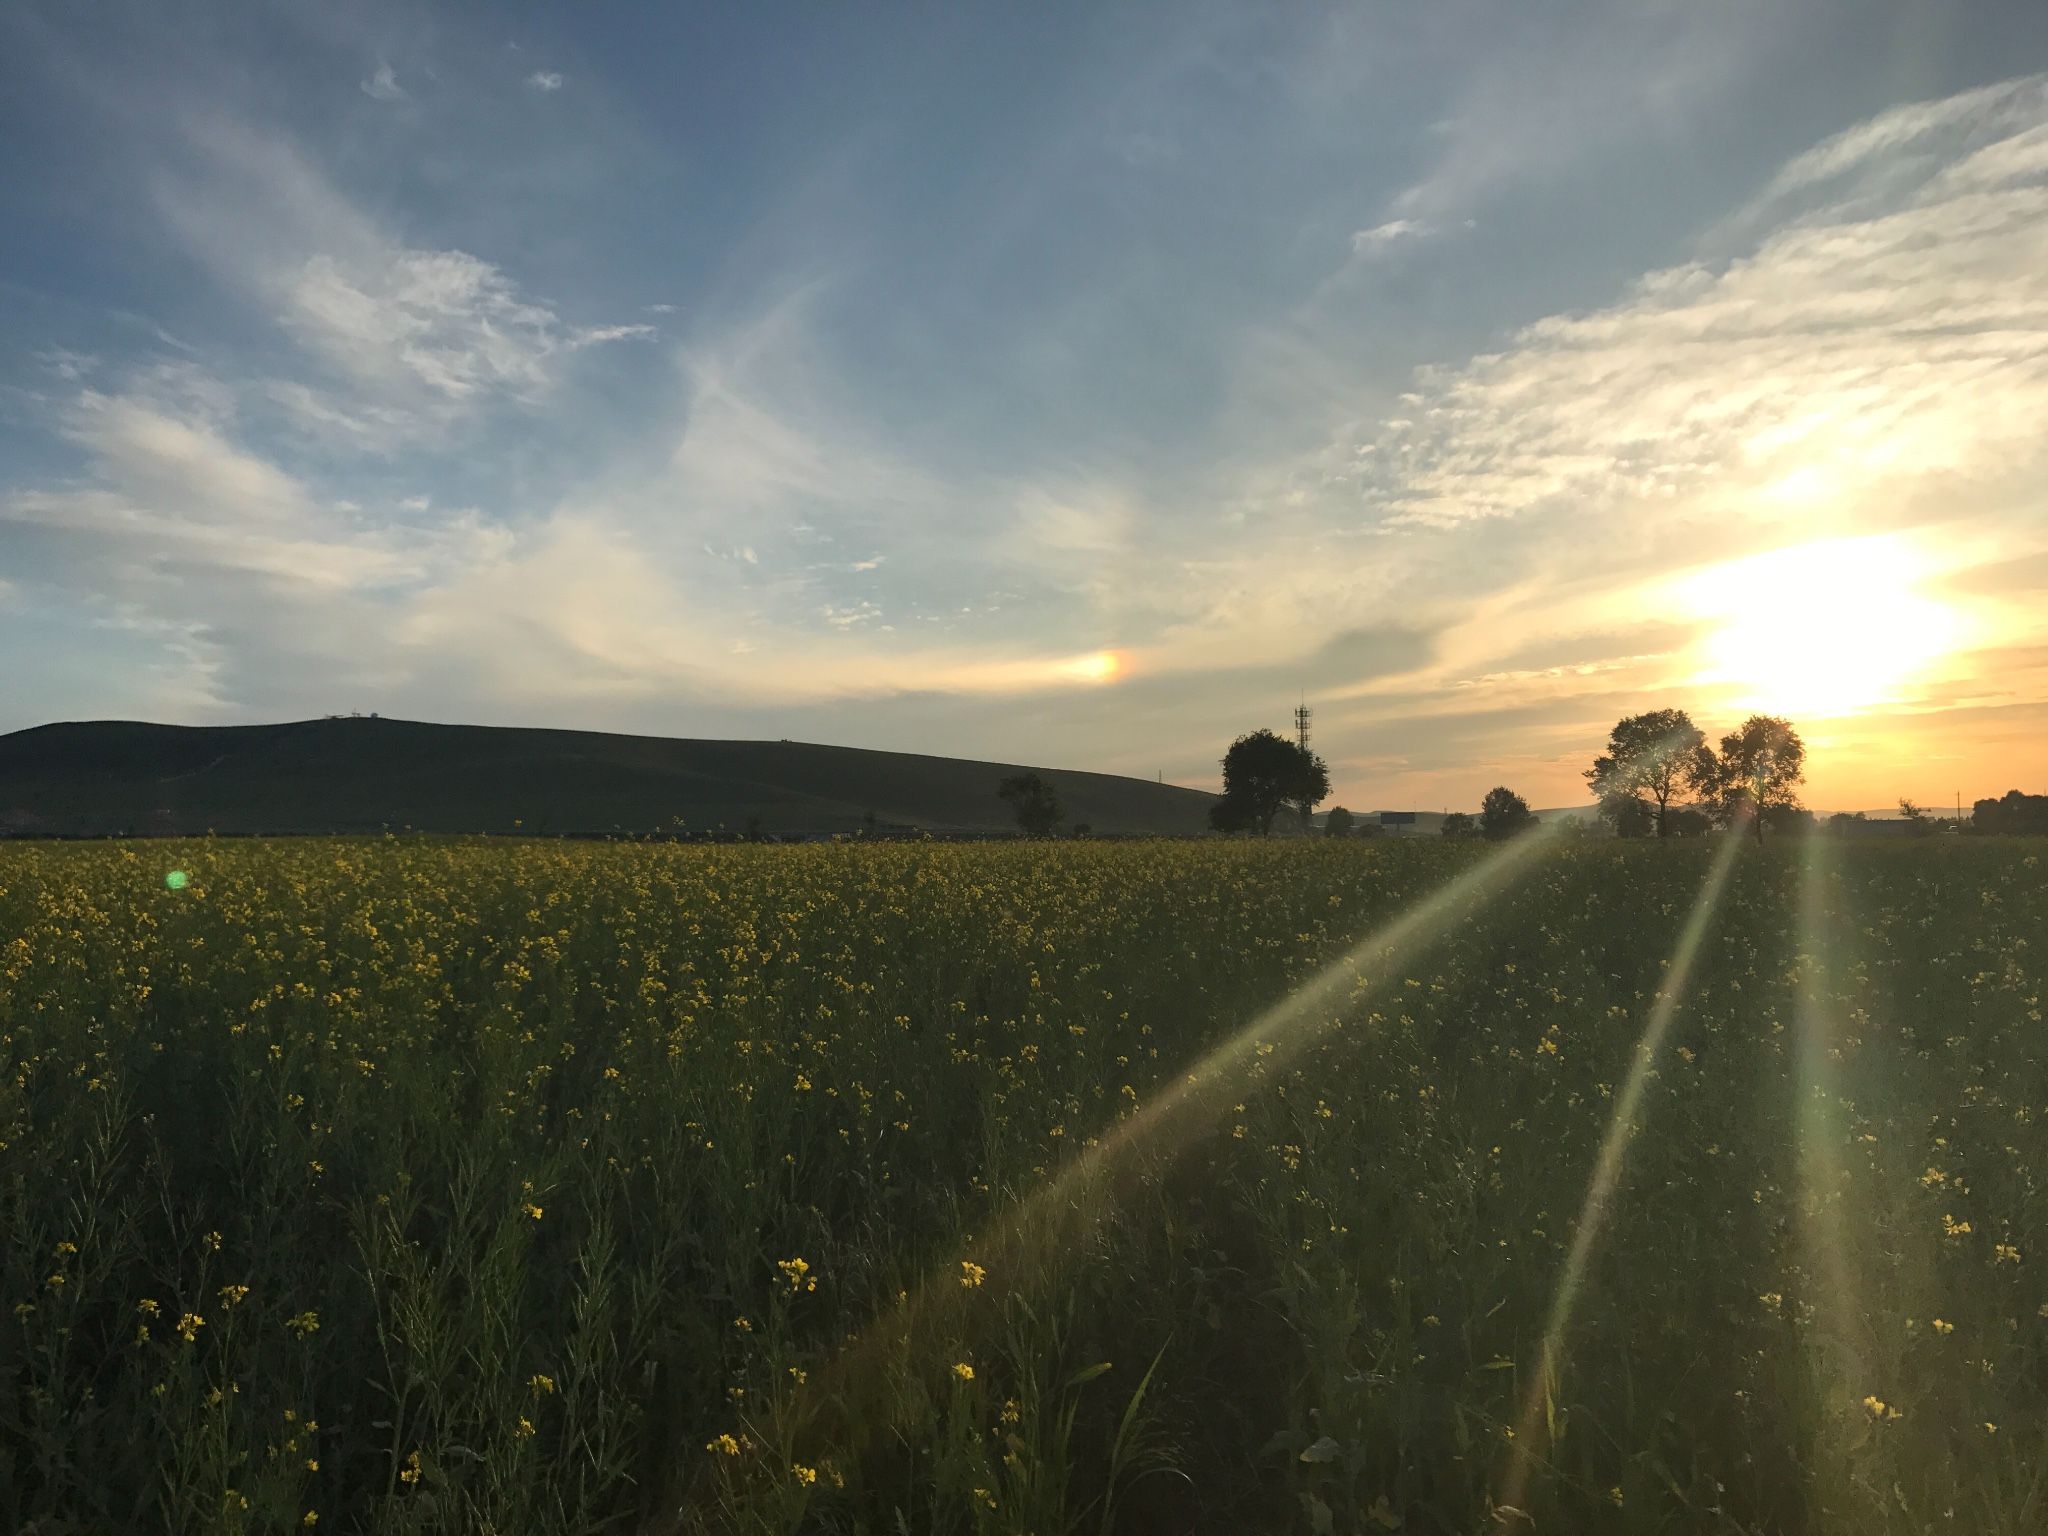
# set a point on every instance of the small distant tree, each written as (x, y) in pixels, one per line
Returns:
(1033, 801)
(1846, 821)
(1630, 816)
(1649, 759)
(1459, 824)
(1503, 814)
(1337, 823)
(1759, 771)
(1263, 772)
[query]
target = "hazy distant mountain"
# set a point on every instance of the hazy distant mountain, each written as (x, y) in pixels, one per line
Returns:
(358, 775)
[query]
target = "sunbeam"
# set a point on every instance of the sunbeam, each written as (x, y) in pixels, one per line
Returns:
(846, 1401)
(1621, 1127)
(1837, 1355)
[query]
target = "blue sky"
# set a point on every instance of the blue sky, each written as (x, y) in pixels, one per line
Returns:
(1065, 384)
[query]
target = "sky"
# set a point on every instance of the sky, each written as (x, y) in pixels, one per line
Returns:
(1075, 385)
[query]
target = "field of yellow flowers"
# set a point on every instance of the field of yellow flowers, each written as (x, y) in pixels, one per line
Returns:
(416, 1186)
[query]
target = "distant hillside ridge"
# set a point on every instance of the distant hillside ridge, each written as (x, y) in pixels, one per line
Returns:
(113, 778)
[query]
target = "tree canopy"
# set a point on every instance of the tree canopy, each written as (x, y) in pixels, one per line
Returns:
(1760, 770)
(1503, 813)
(2012, 812)
(1034, 802)
(1261, 773)
(1649, 759)
(1337, 823)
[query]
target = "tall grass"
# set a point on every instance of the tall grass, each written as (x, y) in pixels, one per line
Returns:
(521, 1187)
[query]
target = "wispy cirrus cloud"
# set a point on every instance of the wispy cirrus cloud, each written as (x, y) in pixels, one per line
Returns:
(412, 337)
(1383, 237)
(382, 84)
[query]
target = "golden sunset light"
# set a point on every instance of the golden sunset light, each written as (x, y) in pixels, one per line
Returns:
(1095, 667)
(1159, 769)
(1823, 629)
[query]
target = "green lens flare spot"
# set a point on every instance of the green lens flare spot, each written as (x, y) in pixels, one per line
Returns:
(175, 880)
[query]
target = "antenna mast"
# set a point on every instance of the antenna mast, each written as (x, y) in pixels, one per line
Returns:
(1301, 719)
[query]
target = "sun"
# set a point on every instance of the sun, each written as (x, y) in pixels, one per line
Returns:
(1095, 667)
(1823, 629)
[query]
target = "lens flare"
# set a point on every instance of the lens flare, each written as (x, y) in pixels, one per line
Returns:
(176, 880)
(1537, 1402)
(1837, 1353)
(849, 1400)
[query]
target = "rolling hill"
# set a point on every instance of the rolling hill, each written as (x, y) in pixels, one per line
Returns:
(100, 778)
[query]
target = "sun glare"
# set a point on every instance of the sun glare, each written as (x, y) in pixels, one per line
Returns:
(1823, 629)
(1096, 667)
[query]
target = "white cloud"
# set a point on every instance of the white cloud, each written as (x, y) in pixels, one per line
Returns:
(1865, 351)
(1370, 242)
(445, 321)
(383, 84)
(770, 437)
(545, 80)
(66, 364)
(1550, 96)
(1999, 109)
(418, 336)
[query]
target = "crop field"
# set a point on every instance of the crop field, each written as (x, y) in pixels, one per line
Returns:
(526, 1187)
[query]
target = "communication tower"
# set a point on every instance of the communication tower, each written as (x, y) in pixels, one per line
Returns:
(1301, 719)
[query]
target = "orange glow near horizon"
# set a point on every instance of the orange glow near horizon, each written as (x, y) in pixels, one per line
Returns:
(1823, 629)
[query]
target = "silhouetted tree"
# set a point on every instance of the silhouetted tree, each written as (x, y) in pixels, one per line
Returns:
(2012, 812)
(1459, 824)
(1337, 823)
(1629, 816)
(1650, 757)
(1034, 802)
(1261, 773)
(1503, 813)
(1760, 770)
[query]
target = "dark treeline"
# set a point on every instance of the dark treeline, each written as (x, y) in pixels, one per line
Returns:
(2012, 813)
